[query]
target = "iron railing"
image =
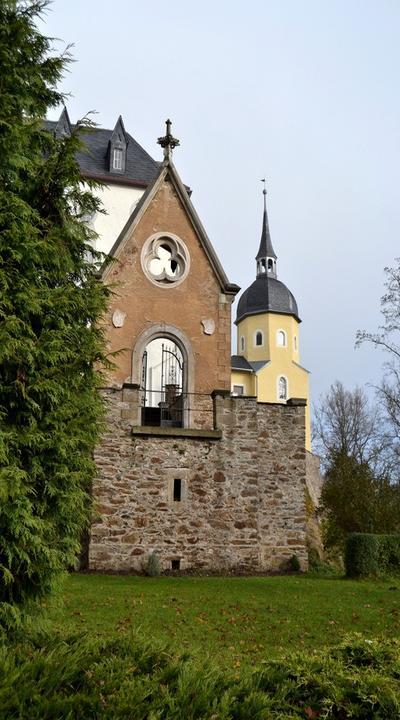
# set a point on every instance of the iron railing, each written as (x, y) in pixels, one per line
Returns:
(173, 408)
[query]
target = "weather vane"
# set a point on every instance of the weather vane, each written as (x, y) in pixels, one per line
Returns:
(168, 142)
(263, 180)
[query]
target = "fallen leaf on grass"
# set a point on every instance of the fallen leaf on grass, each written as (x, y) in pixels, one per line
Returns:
(310, 713)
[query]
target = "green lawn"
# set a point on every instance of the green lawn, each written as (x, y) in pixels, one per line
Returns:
(236, 621)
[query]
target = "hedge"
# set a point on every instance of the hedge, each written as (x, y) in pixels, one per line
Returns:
(368, 554)
(122, 679)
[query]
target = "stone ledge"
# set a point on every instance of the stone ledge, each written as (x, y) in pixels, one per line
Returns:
(220, 393)
(158, 431)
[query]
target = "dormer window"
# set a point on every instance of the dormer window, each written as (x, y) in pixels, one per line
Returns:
(117, 148)
(117, 159)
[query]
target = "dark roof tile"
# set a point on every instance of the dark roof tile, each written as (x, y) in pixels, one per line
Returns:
(238, 362)
(266, 294)
(140, 168)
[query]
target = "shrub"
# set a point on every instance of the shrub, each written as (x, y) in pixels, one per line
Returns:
(123, 679)
(389, 553)
(367, 554)
(153, 568)
(323, 568)
(361, 555)
(294, 563)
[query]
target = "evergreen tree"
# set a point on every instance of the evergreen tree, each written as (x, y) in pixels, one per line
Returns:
(354, 500)
(51, 343)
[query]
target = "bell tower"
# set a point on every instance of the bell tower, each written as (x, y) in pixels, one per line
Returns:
(267, 363)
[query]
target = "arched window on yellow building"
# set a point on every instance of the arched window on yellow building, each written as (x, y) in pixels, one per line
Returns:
(259, 338)
(282, 388)
(281, 338)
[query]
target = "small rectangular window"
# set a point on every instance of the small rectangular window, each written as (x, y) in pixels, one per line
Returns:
(175, 564)
(117, 159)
(177, 490)
(238, 390)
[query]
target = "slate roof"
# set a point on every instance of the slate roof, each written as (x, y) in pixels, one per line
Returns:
(266, 294)
(238, 362)
(140, 168)
(265, 249)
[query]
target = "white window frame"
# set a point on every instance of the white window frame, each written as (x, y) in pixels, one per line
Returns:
(237, 385)
(278, 344)
(118, 157)
(255, 339)
(283, 377)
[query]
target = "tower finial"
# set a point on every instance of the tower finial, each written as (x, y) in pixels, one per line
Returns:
(168, 142)
(263, 180)
(266, 257)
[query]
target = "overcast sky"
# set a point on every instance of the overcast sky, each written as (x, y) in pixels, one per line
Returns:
(305, 92)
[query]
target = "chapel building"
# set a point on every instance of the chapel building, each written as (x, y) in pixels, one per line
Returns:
(207, 480)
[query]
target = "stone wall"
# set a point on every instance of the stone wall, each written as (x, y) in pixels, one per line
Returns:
(243, 490)
(314, 477)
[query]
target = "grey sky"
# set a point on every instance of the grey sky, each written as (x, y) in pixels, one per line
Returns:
(304, 92)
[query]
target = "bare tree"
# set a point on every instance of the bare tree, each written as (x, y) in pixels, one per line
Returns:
(347, 423)
(388, 339)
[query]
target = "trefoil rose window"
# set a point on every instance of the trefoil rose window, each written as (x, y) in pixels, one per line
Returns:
(165, 260)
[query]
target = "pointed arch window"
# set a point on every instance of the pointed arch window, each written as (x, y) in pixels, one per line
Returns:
(282, 388)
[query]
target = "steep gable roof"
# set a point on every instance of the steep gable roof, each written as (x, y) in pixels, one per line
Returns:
(140, 168)
(168, 171)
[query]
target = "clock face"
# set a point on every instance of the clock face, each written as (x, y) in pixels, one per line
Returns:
(165, 260)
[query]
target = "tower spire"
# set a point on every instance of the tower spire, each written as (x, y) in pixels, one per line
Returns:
(266, 257)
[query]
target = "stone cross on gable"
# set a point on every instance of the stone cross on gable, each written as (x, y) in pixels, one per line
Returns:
(168, 142)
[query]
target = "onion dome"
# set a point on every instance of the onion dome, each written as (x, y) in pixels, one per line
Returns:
(266, 294)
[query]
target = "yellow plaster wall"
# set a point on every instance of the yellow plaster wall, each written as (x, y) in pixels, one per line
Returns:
(284, 361)
(247, 379)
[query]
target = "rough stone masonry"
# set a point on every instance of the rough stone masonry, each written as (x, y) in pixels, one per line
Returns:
(227, 499)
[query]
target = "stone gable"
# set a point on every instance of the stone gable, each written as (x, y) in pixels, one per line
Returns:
(192, 306)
